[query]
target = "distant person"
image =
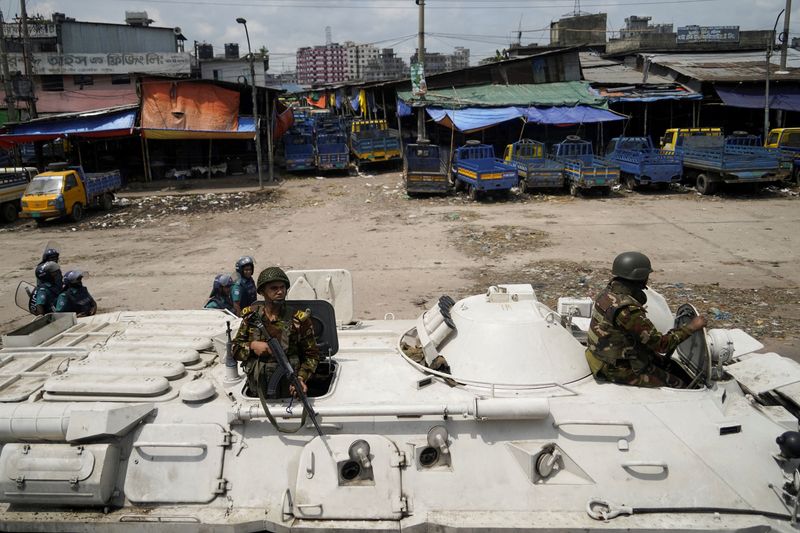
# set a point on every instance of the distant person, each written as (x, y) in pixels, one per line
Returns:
(74, 297)
(623, 344)
(244, 290)
(220, 297)
(48, 287)
(292, 327)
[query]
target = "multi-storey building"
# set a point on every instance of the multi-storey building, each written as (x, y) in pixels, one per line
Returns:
(387, 66)
(233, 68)
(358, 57)
(436, 62)
(80, 66)
(321, 65)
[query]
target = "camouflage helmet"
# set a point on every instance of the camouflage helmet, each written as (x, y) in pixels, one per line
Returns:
(271, 274)
(634, 266)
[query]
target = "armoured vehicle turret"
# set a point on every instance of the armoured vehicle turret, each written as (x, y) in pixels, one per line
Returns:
(478, 414)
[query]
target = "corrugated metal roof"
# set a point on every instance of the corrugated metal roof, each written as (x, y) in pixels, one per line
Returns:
(733, 66)
(590, 60)
(568, 93)
(619, 74)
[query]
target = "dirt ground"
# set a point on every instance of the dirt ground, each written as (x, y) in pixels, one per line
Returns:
(734, 256)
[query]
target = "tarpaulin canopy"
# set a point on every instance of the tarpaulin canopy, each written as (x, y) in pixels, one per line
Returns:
(476, 118)
(649, 93)
(91, 124)
(245, 130)
(189, 106)
(403, 109)
(785, 97)
(567, 93)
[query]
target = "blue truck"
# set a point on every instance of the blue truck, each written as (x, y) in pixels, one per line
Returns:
(534, 168)
(298, 151)
(641, 163)
(372, 141)
(425, 169)
(583, 170)
(332, 152)
(476, 169)
(711, 161)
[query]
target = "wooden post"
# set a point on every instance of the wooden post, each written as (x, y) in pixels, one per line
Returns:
(149, 171)
(209, 159)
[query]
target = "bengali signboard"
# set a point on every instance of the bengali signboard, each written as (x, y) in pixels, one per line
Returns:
(71, 64)
(708, 34)
(36, 30)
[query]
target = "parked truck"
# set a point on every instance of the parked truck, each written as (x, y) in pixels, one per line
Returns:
(534, 168)
(787, 140)
(372, 141)
(476, 169)
(583, 170)
(673, 138)
(298, 151)
(641, 163)
(710, 161)
(332, 152)
(13, 182)
(65, 190)
(425, 169)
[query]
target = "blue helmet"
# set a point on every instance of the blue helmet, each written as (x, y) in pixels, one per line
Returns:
(73, 277)
(222, 280)
(50, 254)
(243, 262)
(45, 270)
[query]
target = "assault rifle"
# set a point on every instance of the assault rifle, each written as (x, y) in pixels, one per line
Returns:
(285, 369)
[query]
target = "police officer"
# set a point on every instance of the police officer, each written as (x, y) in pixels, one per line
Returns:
(623, 345)
(291, 327)
(244, 290)
(220, 297)
(75, 298)
(48, 287)
(49, 254)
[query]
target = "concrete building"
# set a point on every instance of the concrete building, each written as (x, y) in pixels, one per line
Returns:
(635, 26)
(79, 66)
(688, 39)
(436, 62)
(358, 57)
(387, 66)
(321, 65)
(583, 29)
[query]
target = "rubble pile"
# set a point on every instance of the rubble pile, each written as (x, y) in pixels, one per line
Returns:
(763, 312)
(496, 241)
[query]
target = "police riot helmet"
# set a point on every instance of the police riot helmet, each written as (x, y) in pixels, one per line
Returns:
(633, 266)
(268, 275)
(44, 270)
(73, 277)
(222, 280)
(50, 254)
(243, 262)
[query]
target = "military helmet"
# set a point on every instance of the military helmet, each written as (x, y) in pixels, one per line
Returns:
(73, 277)
(634, 266)
(271, 274)
(44, 270)
(222, 280)
(243, 262)
(50, 254)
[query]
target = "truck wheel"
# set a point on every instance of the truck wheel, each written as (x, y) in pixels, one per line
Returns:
(106, 202)
(40, 222)
(605, 191)
(523, 186)
(77, 212)
(704, 185)
(9, 212)
(630, 182)
(473, 193)
(574, 190)
(458, 185)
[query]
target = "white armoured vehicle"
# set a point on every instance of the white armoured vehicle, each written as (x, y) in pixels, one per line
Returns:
(479, 415)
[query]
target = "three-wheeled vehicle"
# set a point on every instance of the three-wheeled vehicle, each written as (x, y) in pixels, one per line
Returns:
(534, 168)
(641, 163)
(582, 169)
(425, 169)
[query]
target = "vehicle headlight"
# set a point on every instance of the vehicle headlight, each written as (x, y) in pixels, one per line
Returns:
(51, 203)
(24, 203)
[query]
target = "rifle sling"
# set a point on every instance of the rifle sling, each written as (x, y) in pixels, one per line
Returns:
(262, 386)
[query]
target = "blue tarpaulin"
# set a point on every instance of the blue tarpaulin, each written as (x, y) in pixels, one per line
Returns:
(478, 118)
(785, 97)
(403, 109)
(90, 124)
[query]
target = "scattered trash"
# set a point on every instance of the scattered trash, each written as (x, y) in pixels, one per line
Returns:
(718, 315)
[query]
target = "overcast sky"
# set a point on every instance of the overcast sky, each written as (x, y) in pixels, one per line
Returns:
(480, 25)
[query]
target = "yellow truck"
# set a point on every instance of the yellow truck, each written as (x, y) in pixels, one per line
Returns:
(13, 182)
(673, 137)
(787, 140)
(67, 191)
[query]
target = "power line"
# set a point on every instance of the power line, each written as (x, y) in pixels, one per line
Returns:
(462, 4)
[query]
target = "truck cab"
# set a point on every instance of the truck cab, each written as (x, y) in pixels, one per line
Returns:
(13, 181)
(787, 140)
(673, 138)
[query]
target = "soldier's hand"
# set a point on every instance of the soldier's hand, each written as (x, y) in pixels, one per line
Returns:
(293, 392)
(698, 323)
(260, 348)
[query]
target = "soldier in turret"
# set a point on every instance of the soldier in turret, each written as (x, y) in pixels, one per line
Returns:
(623, 345)
(290, 326)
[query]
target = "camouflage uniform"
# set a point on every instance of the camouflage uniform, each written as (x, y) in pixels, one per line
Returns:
(293, 329)
(624, 346)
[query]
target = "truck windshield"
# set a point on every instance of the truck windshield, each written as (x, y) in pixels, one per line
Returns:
(45, 185)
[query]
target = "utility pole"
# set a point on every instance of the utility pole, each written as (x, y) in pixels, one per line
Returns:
(243, 22)
(26, 53)
(787, 15)
(12, 110)
(421, 62)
